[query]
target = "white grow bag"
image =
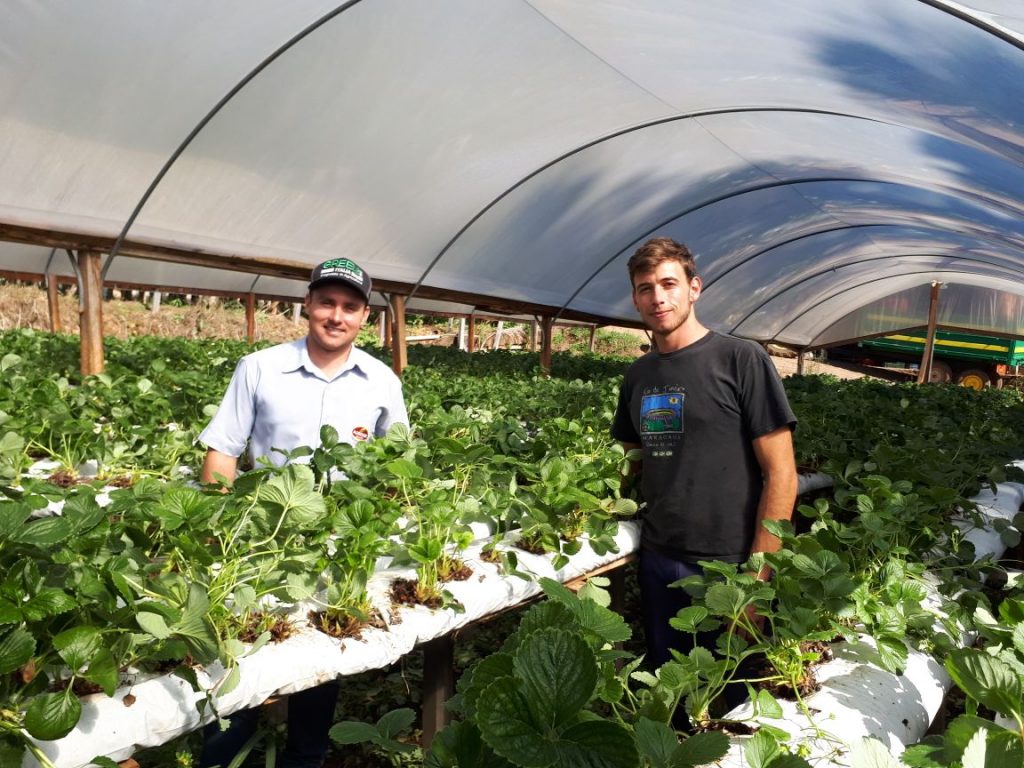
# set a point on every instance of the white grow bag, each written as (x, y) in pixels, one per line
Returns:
(859, 699)
(163, 708)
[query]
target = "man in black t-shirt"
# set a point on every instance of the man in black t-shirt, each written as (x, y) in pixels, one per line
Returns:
(711, 417)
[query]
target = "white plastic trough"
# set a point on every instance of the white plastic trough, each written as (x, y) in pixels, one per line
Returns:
(858, 698)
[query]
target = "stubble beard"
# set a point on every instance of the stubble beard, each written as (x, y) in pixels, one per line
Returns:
(668, 332)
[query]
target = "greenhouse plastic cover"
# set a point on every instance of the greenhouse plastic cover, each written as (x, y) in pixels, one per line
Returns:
(819, 158)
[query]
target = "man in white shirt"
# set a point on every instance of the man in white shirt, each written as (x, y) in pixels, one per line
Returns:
(278, 400)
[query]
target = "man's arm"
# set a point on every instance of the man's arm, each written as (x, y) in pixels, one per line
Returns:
(217, 463)
(774, 453)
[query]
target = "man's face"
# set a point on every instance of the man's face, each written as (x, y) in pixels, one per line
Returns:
(336, 313)
(664, 297)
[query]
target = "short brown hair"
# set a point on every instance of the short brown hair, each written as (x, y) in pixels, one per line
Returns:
(658, 250)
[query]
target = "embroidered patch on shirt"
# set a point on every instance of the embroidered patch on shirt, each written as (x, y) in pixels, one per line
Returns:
(361, 433)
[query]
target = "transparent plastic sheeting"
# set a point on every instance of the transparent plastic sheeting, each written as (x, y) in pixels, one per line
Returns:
(521, 149)
(164, 707)
(960, 306)
(858, 699)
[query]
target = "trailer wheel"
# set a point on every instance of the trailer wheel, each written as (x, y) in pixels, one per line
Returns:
(973, 378)
(941, 372)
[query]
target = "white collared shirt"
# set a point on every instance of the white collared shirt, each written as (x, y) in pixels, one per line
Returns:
(278, 398)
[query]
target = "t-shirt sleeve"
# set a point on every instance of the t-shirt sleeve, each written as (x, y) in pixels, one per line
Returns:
(623, 429)
(230, 428)
(393, 410)
(765, 406)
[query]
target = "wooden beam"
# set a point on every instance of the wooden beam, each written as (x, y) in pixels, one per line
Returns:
(533, 335)
(292, 270)
(399, 351)
(924, 373)
(90, 322)
(250, 317)
(471, 346)
(53, 304)
(546, 325)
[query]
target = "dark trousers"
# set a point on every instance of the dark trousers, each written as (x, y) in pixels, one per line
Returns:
(659, 603)
(310, 716)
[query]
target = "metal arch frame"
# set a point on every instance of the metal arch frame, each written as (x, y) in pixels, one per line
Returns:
(722, 198)
(755, 255)
(965, 14)
(270, 59)
(650, 124)
(819, 273)
(836, 294)
(939, 4)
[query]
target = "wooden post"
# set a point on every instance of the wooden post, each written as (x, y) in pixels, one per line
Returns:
(154, 307)
(399, 352)
(90, 310)
(800, 362)
(546, 325)
(533, 335)
(296, 312)
(593, 336)
(497, 334)
(462, 334)
(389, 326)
(438, 685)
(382, 330)
(250, 317)
(53, 303)
(924, 374)
(472, 334)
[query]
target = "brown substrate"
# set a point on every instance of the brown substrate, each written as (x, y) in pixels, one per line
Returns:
(807, 684)
(532, 546)
(729, 727)
(279, 627)
(492, 556)
(345, 625)
(455, 571)
(63, 478)
(404, 592)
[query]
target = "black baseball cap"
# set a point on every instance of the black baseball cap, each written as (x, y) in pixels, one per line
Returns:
(343, 271)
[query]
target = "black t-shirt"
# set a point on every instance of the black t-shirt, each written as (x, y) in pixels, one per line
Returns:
(696, 412)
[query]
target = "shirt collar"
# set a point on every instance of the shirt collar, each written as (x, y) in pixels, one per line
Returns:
(298, 358)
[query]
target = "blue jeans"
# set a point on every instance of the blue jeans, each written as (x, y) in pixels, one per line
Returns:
(310, 716)
(659, 603)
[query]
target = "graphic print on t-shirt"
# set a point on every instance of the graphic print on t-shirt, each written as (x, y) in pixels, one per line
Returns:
(661, 420)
